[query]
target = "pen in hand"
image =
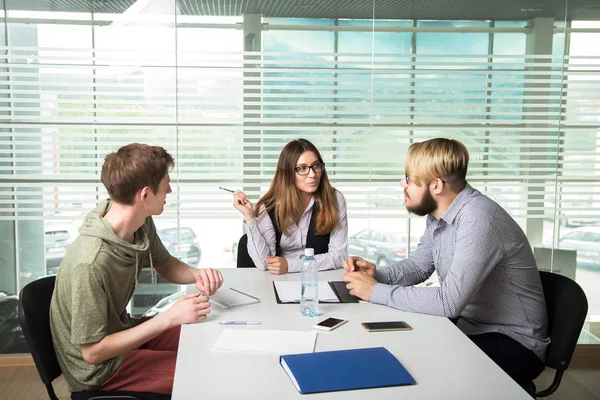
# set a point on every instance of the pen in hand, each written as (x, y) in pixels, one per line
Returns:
(241, 203)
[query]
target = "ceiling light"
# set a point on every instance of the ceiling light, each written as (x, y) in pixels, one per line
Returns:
(148, 12)
(530, 9)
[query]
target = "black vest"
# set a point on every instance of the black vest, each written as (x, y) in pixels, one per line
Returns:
(320, 243)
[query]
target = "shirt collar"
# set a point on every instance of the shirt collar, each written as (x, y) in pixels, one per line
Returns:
(310, 204)
(461, 199)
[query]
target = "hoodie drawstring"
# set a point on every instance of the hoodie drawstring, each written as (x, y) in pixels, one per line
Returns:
(137, 266)
(137, 263)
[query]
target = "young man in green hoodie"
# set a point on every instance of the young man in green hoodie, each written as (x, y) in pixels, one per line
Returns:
(99, 346)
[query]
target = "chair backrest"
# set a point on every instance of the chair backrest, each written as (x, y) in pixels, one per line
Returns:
(567, 306)
(34, 316)
(243, 258)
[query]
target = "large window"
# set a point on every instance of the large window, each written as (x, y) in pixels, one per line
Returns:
(224, 94)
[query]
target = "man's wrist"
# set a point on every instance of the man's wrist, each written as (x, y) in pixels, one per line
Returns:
(380, 294)
(164, 321)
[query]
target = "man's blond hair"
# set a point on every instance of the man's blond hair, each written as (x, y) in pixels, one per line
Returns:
(446, 159)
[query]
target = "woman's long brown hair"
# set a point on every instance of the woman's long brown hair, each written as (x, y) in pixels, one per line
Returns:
(284, 194)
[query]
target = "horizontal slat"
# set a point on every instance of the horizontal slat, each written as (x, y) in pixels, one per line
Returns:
(528, 121)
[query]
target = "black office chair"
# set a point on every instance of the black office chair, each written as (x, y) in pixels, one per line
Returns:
(34, 316)
(243, 258)
(567, 306)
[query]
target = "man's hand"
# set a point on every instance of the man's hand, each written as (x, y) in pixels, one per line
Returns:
(277, 265)
(356, 263)
(360, 284)
(187, 309)
(208, 280)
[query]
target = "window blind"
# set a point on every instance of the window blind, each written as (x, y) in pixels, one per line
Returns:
(531, 123)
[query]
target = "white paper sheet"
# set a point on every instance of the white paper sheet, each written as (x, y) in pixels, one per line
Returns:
(289, 292)
(266, 341)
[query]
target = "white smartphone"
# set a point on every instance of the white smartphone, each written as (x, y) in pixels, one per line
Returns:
(330, 324)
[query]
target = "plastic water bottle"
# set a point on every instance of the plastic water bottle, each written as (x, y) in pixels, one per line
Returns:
(309, 300)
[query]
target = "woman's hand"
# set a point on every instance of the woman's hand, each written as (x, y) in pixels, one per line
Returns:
(277, 265)
(243, 205)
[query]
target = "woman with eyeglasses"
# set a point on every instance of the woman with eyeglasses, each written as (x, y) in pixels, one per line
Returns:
(301, 209)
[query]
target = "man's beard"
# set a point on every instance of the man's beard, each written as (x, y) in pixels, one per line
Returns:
(426, 206)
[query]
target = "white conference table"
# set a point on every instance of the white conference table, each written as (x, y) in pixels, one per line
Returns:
(442, 360)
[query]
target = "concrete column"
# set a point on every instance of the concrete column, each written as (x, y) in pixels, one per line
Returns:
(252, 93)
(539, 42)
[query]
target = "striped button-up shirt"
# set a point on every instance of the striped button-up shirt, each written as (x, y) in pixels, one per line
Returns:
(262, 240)
(488, 276)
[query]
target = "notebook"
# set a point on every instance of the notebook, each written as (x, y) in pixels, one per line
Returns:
(288, 292)
(230, 297)
(340, 290)
(330, 371)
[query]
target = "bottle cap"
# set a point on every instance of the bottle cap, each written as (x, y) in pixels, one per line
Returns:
(309, 252)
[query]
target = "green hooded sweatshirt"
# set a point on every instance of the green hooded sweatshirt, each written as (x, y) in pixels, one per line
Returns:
(95, 281)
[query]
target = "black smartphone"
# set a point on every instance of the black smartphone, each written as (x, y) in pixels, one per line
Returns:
(386, 326)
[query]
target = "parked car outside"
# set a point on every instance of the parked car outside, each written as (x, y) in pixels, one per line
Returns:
(57, 240)
(152, 288)
(573, 211)
(186, 247)
(381, 248)
(30, 272)
(163, 305)
(586, 241)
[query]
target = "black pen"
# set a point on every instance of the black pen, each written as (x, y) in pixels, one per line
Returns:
(227, 190)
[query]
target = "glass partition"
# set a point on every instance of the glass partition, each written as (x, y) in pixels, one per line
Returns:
(223, 89)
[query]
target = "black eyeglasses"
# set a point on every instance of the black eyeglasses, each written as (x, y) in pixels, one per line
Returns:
(304, 169)
(407, 178)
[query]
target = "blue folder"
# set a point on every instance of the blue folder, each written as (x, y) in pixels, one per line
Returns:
(330, 371)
